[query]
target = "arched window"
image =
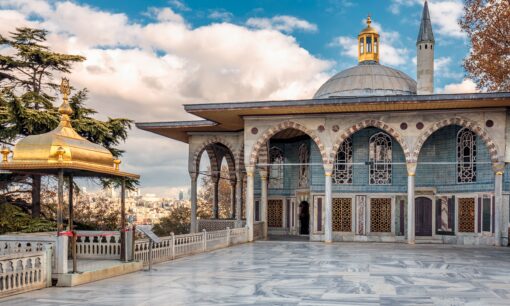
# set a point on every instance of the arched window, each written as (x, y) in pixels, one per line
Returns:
(276, 160)
(466, 156)
(369, 44)
(361, 50)
(376, 45)
(342, 171)
(303, 165)
(380, 157)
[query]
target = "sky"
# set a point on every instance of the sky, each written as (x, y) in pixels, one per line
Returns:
(147, 58)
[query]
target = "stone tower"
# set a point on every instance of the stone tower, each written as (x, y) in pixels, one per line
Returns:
(425, 54)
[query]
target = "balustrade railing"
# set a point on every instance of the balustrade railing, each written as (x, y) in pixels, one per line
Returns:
(25, 271)
(211, 225)
(98, 245)
(176, 246)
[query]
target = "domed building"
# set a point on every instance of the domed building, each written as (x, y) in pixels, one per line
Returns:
(373, 156)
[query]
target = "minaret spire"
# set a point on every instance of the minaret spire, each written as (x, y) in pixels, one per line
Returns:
(425, 54)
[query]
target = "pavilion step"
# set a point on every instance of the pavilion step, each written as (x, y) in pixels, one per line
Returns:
(428, 240)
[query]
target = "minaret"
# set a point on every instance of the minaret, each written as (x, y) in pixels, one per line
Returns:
(425, 54)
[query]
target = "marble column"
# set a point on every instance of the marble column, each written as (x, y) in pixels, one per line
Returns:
(62, 240)
(498, 202)
(239, 196)
(328, 222)
(411, 172)
(193, 226)
(263, 199)
(216, 184)
(233, 199)
(249, 201)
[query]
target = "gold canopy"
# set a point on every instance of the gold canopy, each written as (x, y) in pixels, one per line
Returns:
(368, 43)
(62, 148)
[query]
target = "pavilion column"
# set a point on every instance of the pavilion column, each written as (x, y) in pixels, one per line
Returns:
(411, 171)
(216, 184)
(499, 169)
(123, 220)
(263, 200)
(249, 201)
(194, 177)
(71, 224)
(328, 222)
(62, 240)
(239, 196)
(233, 199)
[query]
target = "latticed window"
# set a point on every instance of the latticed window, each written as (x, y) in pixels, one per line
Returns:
(276, 160)
(303, 165)
(380, 157)
(342, 172)
(342, 214)
(466, 156)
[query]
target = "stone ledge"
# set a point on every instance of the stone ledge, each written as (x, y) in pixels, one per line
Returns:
(71, 280)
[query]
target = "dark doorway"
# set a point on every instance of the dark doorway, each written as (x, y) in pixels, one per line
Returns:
(304, 218)
(423, 216)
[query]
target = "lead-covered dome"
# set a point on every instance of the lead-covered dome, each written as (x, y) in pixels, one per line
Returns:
(367, 79)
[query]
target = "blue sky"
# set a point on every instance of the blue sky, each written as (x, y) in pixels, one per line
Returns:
(147, 58)
(333, 18)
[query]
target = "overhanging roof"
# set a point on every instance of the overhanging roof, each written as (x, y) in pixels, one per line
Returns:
(225, 117)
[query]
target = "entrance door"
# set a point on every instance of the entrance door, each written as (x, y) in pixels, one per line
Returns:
(304, 218)
(423, 216)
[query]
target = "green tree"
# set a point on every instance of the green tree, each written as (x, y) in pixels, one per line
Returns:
(27, 93)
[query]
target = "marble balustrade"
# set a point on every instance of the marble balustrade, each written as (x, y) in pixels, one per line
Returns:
(218, 224)
(175, 246)
(25, 271)
(98, 245)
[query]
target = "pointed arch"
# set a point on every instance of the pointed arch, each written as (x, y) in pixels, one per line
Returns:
(230, 154)
(266, 136)
(370, 123)
(471, 125)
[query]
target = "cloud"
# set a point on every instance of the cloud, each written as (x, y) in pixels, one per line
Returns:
(282, 23)
(180, 5)
(466, 86)
(442, 69)
(391, 50)
(147, 71)
(222, 15)
(444, 15)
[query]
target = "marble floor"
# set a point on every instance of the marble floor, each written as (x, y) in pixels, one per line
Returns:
(304, 273)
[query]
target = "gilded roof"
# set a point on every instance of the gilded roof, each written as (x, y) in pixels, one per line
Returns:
(62, 148)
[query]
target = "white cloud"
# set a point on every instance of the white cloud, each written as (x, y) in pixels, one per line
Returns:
(147, 71)
(180, 5)
(221, 15)
(444, 14)
(391, 50)
(282, 23)
(442, 68)
(466, 86)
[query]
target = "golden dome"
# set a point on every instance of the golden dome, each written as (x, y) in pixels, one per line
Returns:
(63, 147)
(368, 29)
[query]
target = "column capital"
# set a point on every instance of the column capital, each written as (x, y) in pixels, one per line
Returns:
(193, 175)
(411, 168)
(250, 170)
(263, 174)
(328, 169)
(498, 168)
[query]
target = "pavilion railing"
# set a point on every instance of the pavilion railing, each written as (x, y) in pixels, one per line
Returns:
(175, 246)
(25, 270)
(219, 224)
(98, 245)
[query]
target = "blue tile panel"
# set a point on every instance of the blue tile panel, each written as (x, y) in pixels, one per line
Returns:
(440, 148)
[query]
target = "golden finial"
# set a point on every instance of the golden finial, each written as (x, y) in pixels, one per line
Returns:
(65, 90)
(5, 154)
(60, 154)
(369, 20)
(116, 164)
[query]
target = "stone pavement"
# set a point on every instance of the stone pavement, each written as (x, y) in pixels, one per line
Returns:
(304, 273)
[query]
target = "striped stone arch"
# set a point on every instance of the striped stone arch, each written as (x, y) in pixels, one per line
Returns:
(471, 125)
(370, 123)
(231, 156)
(266, 136)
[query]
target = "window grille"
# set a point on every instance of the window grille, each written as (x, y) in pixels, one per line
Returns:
(303, 167)
(466, 156)
(342, 172)
(380, 158)
(276, 169)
